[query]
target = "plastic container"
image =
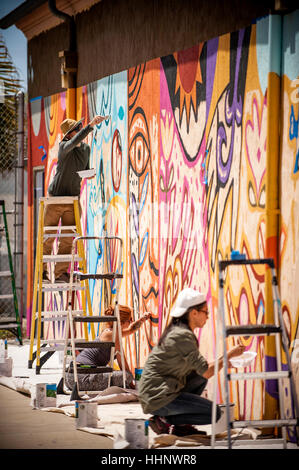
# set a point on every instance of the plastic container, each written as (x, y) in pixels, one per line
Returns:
(86, 414)
(136, 433)
(87, 173)
(138, 373)
(43, 395)
(221, 424)
(244, 360)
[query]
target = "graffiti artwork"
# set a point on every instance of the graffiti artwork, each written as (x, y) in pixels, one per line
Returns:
(181, 178)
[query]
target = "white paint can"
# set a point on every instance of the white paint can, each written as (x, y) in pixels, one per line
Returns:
(6, 367)
(43, 395)
(136, 433)
(3, 351)
(221, 425)
(86, 414)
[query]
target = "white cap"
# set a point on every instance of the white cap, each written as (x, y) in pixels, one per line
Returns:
(187, 298)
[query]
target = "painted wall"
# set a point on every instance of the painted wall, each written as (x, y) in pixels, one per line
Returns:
(181, 178)
(289, 194)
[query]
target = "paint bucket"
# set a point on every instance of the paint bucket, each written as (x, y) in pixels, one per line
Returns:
(3, 351)
(138, 373)
(136, 433)
(43, 395)
(221, 424)
(6, 367)
(86, 414)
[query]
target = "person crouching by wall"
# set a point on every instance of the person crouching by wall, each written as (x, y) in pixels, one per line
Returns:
(175, 373)
(101, 356)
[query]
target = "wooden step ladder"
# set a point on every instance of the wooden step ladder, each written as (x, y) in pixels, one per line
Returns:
(277, 329)
(75, 316)
(40, 314)
(9, 321)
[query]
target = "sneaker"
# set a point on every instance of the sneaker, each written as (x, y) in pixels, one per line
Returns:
(186, 430)
(45, 278)
(159, 425)
(64, 277)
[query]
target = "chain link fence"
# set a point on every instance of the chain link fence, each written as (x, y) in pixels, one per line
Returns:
(11, 181)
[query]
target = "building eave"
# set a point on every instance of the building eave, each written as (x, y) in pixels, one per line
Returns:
(34, 16)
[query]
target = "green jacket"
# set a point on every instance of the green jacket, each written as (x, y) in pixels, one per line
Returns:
(71, 159)
(164, 374)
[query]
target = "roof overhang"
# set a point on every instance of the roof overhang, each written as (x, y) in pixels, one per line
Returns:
(34, 17)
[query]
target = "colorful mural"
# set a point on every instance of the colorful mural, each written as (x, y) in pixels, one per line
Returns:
(181, 178)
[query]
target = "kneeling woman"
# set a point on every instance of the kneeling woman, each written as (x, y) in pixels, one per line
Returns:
(175, 373)
(101, 356)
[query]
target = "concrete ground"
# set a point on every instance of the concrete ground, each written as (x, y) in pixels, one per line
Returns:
(21, 427)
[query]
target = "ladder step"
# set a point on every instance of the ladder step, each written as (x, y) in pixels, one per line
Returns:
(94, 319)
(52, 341)
(59, 227)
(6, 296)
(60, 235)
(60, 312)
(8, 319)
(259, 375)
(60, 258)
(5, 274)
(54, 318)
(265, 423)
(249, 330)
(109, 276)
(81, 369)
(61, 286)
(59, 199)
(4, 325)
(82, 344)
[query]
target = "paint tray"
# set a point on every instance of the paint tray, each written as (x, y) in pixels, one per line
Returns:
(87, 173)
(244, 360)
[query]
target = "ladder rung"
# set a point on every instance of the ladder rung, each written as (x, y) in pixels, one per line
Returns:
(61, 286)
(60, 312)
(59, 199)
(8, 319)
(52, 341)
(259, 375)
(90, 369)
(5, 274)
(52, 348)
(60, 258)
(6, 296)
(59, 227)
(109, 276)
(54, 318)
(265, 423)
(94, 319)
(249, 330)
(4, 326)
(81, 344)
(60, 235)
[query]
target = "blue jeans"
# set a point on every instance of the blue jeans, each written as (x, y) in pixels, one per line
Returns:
(189, 407)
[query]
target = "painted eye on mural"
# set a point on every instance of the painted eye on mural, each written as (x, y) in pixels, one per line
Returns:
(139, 150)
(116, 160)
(251, 195)
(262, 200)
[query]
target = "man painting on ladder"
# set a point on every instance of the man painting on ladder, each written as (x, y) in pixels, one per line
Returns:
(73, 156)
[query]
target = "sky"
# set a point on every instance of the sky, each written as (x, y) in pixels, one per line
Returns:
(15, 40)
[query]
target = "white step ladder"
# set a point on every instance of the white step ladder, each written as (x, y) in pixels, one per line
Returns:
(40, 314)
(75, 316)
(277, 329)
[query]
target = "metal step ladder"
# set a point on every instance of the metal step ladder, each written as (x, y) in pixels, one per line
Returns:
(9, 321)
(75, 317)
(277, 329)
(40, 314)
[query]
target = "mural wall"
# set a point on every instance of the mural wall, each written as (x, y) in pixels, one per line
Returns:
(180, 177)
(289, 181)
